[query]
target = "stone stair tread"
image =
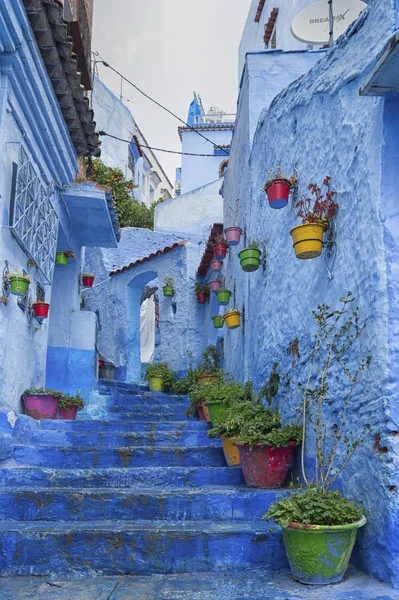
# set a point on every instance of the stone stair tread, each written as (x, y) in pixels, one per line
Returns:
(171, 448)
(170, 491)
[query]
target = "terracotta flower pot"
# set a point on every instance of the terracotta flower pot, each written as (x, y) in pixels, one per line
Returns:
(211, 378)
(264, 466)
(233, 235)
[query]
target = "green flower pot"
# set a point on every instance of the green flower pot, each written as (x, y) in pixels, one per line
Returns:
(18, 286)
(250, 259)
(167, 290)
(217, 321)
(217, 411)
(319, 554)
(223, 297)
(61, 259)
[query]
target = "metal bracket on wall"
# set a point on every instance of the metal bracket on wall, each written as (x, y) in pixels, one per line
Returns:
(262, 248)
(5, 290)
(243, 319)
(245, 236)
(294, 189)
(330, 246)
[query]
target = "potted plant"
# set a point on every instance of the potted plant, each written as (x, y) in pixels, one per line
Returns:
(216, 265)
(100, 360)
(233, 233)
(168, 286)
(19, 283)
(232, 318)
(159, 377)
(62, 257)
(220, 397)
(87, 279)
(217, 321)
(69, 406)
(41, 403)
(197, 397)
(40, 309)
(220, 247)
(210, 367)
(223, 296)
(215, 284)
(278, 188)
(250, 257)
(202, 292)
(316, 213)
(319, 525)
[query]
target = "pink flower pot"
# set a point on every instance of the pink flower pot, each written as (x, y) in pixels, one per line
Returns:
(233, 235)
(216, 265)
(69, 414)
(41, 406)
(214, 285)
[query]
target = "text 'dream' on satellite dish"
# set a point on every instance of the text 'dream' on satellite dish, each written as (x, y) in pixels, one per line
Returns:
(312, 25)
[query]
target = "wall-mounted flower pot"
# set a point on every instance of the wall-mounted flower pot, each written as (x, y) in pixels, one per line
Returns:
(216, 265)
(250, 259)
(232, 319)
(87, 280)
(68, 414)
(201, 298)
(320, 554)
(41, 309)
(214, 285)
(18, 286)
(264, 466)
(41, 406)
(61, 260)
(308, 240)
(217, 411)
(168, 290)
(155, 384)
(230, 451)
(233, 235)
(223, 297)
(220, 251)
(278, 192)
(217, 321)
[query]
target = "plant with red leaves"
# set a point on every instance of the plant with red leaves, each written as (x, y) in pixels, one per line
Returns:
(320, 208)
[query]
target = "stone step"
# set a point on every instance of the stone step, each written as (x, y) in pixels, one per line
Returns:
(112, 386)
(144, 398)
(102, 457)
(164, 477)
(180, 504)
(137, 547)
(149, 411)
(123, 426)
(188, 438)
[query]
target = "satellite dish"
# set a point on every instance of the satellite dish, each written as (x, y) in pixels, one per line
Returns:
(312, 25)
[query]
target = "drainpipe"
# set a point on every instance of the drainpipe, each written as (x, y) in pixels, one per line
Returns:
(331, 18)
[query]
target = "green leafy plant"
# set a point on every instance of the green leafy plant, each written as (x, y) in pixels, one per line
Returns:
(275, 174)
(312, 507)
(202, 288)
(47, 392)
(320, 208)
(219, 239)
(254, 245)
(161, 370)
(69, 253)
(270, 388)
(168, 281)
(68, 401)
(87, 275)
(183, 385)
(211, 362)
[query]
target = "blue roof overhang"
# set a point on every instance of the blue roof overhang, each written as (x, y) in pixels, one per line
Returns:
(384, 79)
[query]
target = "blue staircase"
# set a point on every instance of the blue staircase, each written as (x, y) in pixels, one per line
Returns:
(140, 491)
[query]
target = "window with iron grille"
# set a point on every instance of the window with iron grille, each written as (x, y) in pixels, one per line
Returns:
(34, 222)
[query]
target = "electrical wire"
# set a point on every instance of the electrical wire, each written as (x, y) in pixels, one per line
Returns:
(102, 133)
(156, 102)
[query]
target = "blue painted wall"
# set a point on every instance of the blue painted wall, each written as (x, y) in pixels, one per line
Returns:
(320, 124)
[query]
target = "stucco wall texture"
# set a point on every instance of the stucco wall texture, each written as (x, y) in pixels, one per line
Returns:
(321, 125)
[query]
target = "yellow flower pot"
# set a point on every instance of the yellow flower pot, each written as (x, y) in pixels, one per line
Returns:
(206, 412)
(231, 452)
(155, 384)
(308, 240)
(232, 319)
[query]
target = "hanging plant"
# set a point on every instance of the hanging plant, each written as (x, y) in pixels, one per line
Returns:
(62, 257)
(19, 283)
(168, 287)
(40, 310)
(220, 247)
(215, 284)
(87, 279)
(216, 265)
(232, 318)
(250, 257)
(202, 292)
(233, 233)
(223, 296)
(217, 321)
(316, 213)
(278, 188)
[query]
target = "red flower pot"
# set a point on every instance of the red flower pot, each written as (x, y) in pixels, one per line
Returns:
(41, 406)
(88, 281)
(202, 298)
(278, 192)
(233, 235)
(68, 415)
(41, 309)
(201, 412)
(216, 265)
(214, 285)
(220, 251)
(264, 466)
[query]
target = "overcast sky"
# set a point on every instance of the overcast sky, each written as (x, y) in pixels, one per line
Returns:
(170, 48)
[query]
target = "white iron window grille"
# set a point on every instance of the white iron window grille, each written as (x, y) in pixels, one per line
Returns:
(35, 222)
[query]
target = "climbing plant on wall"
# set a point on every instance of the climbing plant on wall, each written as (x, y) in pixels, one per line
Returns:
(131, 213)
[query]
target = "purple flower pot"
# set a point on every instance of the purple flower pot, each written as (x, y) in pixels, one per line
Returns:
(69, 414)
(41, 406)
(233, 235)
(214, 285)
